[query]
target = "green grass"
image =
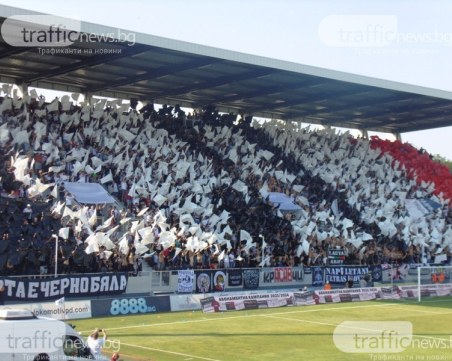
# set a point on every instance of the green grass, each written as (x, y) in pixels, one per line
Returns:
(291, 333)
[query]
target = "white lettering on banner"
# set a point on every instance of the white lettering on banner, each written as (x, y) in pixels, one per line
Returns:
(104, 284)
(32, 290)
(84, 284)
(343, 274)
(114, 285)
(45, 286)
(123, 283)
(54, 289)
(75, 285)
(21, 290)
(95, 284)
(64, 284)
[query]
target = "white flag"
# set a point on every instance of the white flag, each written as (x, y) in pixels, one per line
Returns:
(60, 302)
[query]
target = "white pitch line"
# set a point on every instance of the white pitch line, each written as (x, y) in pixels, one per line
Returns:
(297, 320)
(170, 352)
(353, 328)
(400, 307)
(320, 309)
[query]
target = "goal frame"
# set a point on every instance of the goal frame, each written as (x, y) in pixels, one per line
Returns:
(430, 267)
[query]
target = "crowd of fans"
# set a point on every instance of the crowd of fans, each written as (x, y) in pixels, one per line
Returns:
(194, 191)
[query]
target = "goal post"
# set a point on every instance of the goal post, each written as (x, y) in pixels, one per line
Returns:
(436, 279)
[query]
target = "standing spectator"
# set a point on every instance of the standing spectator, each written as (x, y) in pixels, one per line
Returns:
(95, 343)
(28, 212)
(327, 286)
(2, 295)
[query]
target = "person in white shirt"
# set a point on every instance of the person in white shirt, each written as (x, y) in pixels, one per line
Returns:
(95, 343)
(28, 212)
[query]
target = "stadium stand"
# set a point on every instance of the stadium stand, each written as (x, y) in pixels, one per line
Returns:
(206, 190)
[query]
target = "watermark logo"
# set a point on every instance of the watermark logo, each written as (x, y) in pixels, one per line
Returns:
(375, 31)
(373, 336)
(31, 337)
(358, 30)
(40, 31)
(45, 31)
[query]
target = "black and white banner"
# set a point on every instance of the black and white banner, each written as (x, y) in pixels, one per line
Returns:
(203, 281)
(19, 289)
(185, 281)
(317, 276)
(342, 274)
(251, 278)
(235, 278)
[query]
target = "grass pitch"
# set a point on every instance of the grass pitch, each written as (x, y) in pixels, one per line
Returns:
(290, 333)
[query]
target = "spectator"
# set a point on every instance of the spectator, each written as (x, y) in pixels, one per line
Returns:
(2, 295)
(28, 212)
(95, 343)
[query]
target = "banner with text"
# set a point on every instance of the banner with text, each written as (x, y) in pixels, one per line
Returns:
(130, 306)
(249, 301)
(68, 310)
(246, 301)
(235, 278)
(20, 289)
(341, 274)
(282, 275)
(185, 281)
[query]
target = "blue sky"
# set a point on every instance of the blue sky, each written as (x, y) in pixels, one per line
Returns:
(409, 41)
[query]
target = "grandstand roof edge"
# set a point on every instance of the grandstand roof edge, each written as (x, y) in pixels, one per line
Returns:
(257, 60)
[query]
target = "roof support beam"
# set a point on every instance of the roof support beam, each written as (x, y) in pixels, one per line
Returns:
(357, 106)
(156, 73)
(13, 51)
(220, 81)
(266, 91)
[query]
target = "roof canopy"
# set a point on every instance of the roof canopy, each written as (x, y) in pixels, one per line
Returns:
(174, 72)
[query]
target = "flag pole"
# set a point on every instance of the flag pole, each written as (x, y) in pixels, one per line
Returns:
(263, 250)
(56, 254)
(64, 309)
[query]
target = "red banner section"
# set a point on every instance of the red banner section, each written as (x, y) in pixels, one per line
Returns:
(418, 164)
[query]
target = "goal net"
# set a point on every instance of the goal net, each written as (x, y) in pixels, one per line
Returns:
(434, 281)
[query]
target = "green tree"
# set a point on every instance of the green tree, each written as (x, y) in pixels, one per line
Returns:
(443, 160)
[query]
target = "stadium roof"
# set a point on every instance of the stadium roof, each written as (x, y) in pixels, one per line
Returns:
(173, 72)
